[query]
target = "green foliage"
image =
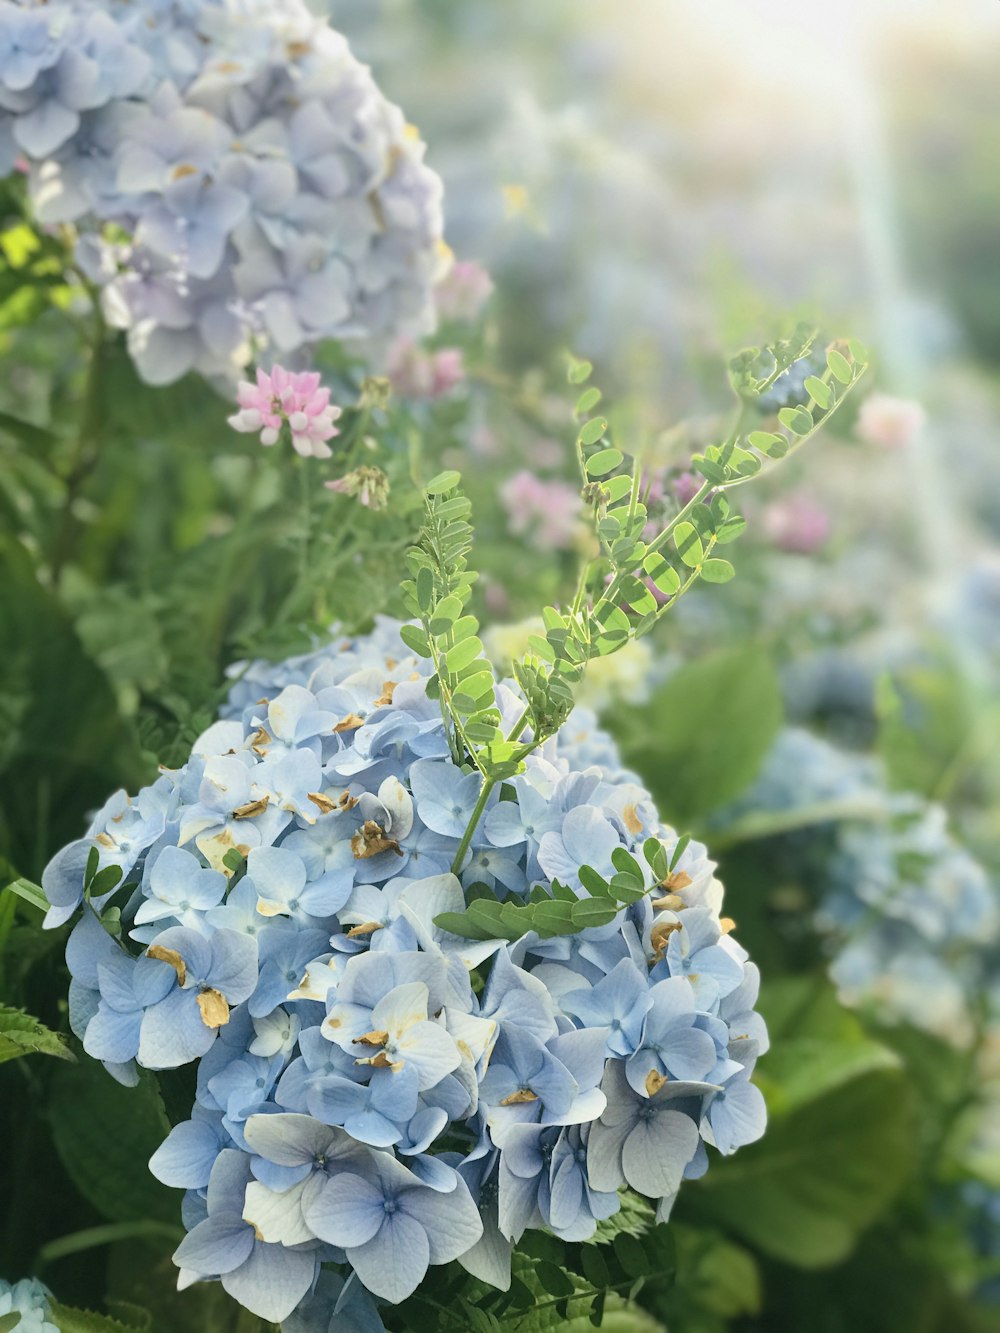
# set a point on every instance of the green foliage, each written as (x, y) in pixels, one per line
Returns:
(69, 1320)
(840, 1143)
(716, 719)
(62, 748)
(20, 1034)
(101, 1130)
(557, 910)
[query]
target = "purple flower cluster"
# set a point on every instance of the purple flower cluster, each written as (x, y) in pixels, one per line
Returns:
(363, 1109)
(239, 180)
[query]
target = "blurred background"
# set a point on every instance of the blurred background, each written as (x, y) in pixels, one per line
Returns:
(653, 186)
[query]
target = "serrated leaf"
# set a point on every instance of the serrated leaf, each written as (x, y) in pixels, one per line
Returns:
(70, 1320)
(20, 1034)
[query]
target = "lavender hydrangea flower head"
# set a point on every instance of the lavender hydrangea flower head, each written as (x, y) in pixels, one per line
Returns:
(262, 191)
(363, 1109)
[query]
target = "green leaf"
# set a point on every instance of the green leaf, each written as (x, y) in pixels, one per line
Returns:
(818, 391)
(717, 719)
(603, 462)
(425, 588)
(31, 893)
(717, 571)
(554, 917)
(839, 366)
(579, 371)
(443, 482)
(10, 1321)
(662, 573)
(104, 1135)
(592, 430)
(821, 1175)
(688, 545)
(594, 882)
(20, 1034)
(774, 446)
(796, 419)
(584, 404)
(445, 614)
(593, 912)
(70, 1320)
(70, 747)
(415, 639)
(463, 654)
(730, 529)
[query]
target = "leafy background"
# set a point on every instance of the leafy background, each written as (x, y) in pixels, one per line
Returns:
(654, 212)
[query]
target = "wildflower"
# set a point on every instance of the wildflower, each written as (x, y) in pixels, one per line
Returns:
(286, 397)
(546, 511)
(415, 373)
(796, 524)
(369, 484)
(463, 291)
(890, 423)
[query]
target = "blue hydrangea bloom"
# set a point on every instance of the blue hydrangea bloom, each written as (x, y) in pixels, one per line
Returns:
(30, 1299)
(908, 915)
(363, 1110)
(269, 195)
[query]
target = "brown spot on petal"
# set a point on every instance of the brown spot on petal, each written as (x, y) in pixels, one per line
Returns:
(390, 663)
(671, 903)
(520, 1097)
(296, 49)
(104, 839)
(680, 879)
(371, 839)
(324, 802)
(631, 817)
(259, 740)
(375, 1038)
(660, 935)
(346, 801)
(170, 956)
(380, 1061)
(252, 808)
(654, 1082)
(214, 1009)
(366, 928)
(183, 169)
(385, 698)
(727, 924)
(350, 723)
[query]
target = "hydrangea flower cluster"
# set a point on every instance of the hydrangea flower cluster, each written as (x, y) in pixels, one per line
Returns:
(908, 913)
(28, 1298)
(374, 1094)
(239, 177)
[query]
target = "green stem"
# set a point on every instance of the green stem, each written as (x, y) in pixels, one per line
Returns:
(515, 731)
(772, 823)
(85, 451)
(470, 828)
(93, 1237)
